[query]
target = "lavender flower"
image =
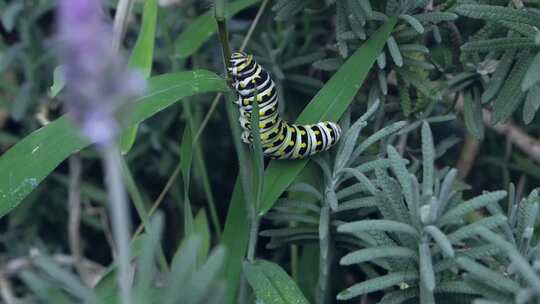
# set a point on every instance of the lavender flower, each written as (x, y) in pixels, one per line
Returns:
(98, 83)
(97, 79)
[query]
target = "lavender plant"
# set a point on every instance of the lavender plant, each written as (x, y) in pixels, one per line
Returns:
(97, 85)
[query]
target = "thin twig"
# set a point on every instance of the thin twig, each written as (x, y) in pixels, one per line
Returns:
(160, 198)
(74, 215)
(467, 156)
(516, 135)
(121, 19)
(253, 25)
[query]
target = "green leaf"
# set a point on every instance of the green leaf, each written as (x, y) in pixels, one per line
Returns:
(377, 225)
(511, 95)
(532, 103)
(488, 276)
(329, 104)
(498, 13)
(328, 64)
(202, 228)
(141, 59)
(309, 269)
(470, 230)
(44, 289)
(10, 15)
(375, 137)
(497, 80)
(404, 178)
(533, 74)
(235, 238)
(427, 275)
(393, 48)
(184, 263)
(369, 254)
(68, 280)
(286, 9)
(428, 159)
(435, 17)
(413, 22)
(441, 240)
(497, 44)
(142, 55)
(379, 283)
(424, 86)
(27, 163)
(186, 158)
(202, 28)
(472, 114)
(58, 81)
(272, 284)
(478, 202)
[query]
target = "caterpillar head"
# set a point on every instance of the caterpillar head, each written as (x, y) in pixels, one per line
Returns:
(238, 62)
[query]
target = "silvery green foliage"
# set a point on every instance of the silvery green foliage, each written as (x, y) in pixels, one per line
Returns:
(511, 273)
(420, 232)
(508, 44)
(190, 278)
(317, 213)
(405, 52)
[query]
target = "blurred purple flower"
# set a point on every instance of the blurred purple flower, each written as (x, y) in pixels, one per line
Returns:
(97, 79)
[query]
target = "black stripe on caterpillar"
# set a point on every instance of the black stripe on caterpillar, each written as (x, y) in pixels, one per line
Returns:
(279, 139)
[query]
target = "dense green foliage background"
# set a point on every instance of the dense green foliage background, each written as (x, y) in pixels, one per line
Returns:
(430, 197)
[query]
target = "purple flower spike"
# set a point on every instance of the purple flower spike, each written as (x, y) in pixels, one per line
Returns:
(97, 80)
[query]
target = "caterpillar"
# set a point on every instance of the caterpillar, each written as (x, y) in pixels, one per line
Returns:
(279, 138)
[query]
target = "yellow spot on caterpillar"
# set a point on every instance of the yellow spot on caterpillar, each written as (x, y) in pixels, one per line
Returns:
(317, 132)
(319, 143)
(281, 137)
(291, 143)
(303, 145)
(303, 132)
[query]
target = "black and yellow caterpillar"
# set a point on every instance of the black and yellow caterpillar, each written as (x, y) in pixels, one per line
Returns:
(279, 139)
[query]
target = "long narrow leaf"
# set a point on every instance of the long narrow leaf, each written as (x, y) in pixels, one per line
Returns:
(27, 163)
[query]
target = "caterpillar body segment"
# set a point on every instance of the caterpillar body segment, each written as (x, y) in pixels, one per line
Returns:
(279, 139)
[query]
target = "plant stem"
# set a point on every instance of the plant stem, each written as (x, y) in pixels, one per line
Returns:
(120, 215)
(325, 262)
(74, 219)
(121, 18)
(138, 201)
(253, 237)
(222, 31)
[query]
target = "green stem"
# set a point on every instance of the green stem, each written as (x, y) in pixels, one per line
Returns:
(223, 33)
(325, 264)
(253, 237)
(139, 204)
(119, 210)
